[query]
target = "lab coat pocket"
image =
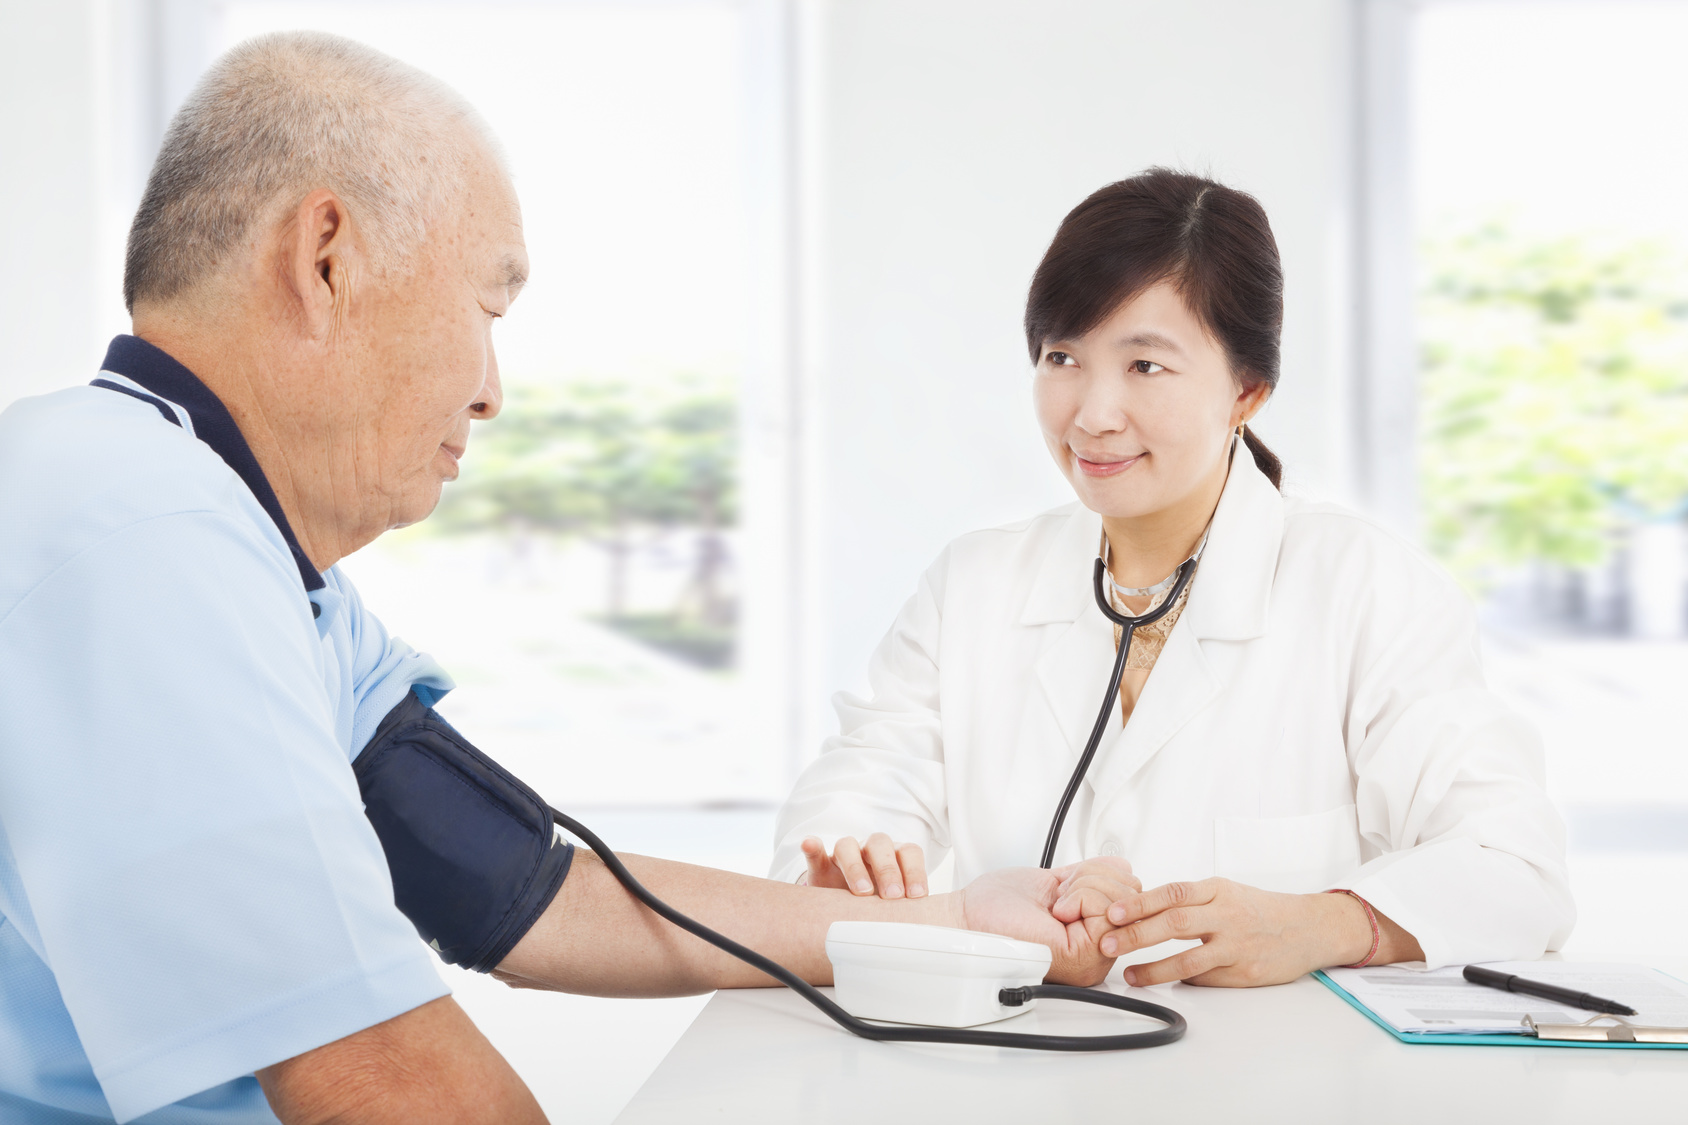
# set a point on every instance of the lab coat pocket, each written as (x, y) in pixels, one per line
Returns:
(1294, 854)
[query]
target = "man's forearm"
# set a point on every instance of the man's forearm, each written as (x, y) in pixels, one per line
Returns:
(596, 938)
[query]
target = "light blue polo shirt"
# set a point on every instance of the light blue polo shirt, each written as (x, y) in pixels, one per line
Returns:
(189, 888)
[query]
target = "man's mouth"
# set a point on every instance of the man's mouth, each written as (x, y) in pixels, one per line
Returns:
(1104, 465)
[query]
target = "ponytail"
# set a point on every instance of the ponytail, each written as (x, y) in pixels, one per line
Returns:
(1264, 459)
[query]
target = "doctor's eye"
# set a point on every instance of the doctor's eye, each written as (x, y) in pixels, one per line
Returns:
(1060, 359)
(1145, 366)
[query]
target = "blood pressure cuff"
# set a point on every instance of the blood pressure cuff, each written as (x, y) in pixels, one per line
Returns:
(474, 856)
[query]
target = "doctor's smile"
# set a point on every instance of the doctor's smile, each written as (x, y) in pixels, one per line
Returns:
(1098, 465)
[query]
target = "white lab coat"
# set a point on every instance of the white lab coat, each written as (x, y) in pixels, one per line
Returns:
(1318, 718)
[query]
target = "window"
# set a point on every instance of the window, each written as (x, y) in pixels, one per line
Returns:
(582, 580)
(1552, 316)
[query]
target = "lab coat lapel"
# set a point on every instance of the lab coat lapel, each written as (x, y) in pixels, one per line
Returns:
(1232, 591)
(1073, 673)
(1073, 670)
(1181, 685)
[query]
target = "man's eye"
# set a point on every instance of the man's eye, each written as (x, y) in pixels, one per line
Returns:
(1146, 367)
(1061, 359)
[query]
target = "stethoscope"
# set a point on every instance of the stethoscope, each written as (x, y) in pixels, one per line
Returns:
(1179, 579)
(1011, 997)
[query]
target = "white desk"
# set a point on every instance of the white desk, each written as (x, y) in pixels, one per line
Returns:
(1294, 1053)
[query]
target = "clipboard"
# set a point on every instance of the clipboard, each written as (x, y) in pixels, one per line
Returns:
(1596, 1032)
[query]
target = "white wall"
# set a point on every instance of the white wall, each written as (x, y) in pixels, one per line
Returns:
(945, 140)
(50, 212)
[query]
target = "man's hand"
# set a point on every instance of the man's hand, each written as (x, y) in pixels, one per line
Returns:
(1065, 909)
(1249, 936)
(429, 1066)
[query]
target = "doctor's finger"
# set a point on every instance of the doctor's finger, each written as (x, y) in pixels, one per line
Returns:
(880, 855)
(1170, 896)
(1179, 922)
(1180, 966)
(822, 871)
(912, 859)
(847, 854)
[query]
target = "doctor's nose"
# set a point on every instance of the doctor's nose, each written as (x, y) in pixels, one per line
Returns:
(1102, 410)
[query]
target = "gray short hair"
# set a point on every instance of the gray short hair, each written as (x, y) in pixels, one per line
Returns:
(278, 117)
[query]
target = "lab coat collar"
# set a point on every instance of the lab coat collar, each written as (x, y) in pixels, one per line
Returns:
(1228, 602)
(1231, 593)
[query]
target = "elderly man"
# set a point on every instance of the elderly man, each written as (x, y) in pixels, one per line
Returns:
(227, 808)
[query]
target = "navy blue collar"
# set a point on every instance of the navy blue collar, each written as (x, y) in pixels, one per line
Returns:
(154, 369)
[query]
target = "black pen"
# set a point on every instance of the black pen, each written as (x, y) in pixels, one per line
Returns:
(1506, 982)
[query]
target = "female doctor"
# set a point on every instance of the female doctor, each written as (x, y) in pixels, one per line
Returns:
(1309, 716)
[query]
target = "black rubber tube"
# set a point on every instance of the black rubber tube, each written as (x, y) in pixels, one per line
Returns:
(900, 1033)
(1109, 700)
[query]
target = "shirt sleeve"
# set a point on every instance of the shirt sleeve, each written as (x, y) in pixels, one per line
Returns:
(185, 827)
(884, 770)
(384, 669)
(1469, 852)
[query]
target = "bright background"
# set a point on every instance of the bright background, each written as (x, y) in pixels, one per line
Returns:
(780, 248)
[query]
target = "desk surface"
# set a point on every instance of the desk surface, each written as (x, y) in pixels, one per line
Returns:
(1292, 1053)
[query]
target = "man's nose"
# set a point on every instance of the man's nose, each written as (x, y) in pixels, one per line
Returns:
(491, 400)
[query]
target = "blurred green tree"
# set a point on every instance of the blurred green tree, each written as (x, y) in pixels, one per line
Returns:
(603, 460)
(1554, 395)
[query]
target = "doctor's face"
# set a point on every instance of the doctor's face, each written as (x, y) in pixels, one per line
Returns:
(1138, 412)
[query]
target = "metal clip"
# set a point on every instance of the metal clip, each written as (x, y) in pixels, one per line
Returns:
(1606, 1029)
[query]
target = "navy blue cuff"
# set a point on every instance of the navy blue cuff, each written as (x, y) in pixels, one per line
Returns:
(474, 856)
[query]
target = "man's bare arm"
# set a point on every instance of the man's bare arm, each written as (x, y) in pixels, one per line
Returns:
(429, 1066)
(595, 938)
(432, 1065)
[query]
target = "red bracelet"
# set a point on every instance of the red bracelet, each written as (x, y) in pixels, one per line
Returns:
(1376, 934)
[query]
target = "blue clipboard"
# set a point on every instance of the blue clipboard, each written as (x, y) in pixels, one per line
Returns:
(1482, 1040)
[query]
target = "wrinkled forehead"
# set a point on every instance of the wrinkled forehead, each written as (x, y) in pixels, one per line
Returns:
(488, 215)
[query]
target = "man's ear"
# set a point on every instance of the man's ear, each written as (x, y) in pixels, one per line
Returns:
(317, 252)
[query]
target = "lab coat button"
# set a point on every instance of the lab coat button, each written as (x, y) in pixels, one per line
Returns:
(1110, 847)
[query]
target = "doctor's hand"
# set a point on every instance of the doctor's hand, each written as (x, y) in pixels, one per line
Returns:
(879, 866)
(1249, 936)
(1065, 909)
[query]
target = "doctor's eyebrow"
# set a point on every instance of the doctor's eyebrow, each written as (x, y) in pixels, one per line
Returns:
(1148, 340)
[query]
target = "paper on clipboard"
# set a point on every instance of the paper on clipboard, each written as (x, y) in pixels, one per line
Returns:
(1443, 1002)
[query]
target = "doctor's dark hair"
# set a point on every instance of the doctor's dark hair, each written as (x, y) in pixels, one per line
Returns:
(1212, 242)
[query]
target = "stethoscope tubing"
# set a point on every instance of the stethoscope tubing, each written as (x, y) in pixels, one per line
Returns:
(1130, 625)
(1174, 1023)
(903, 1033)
